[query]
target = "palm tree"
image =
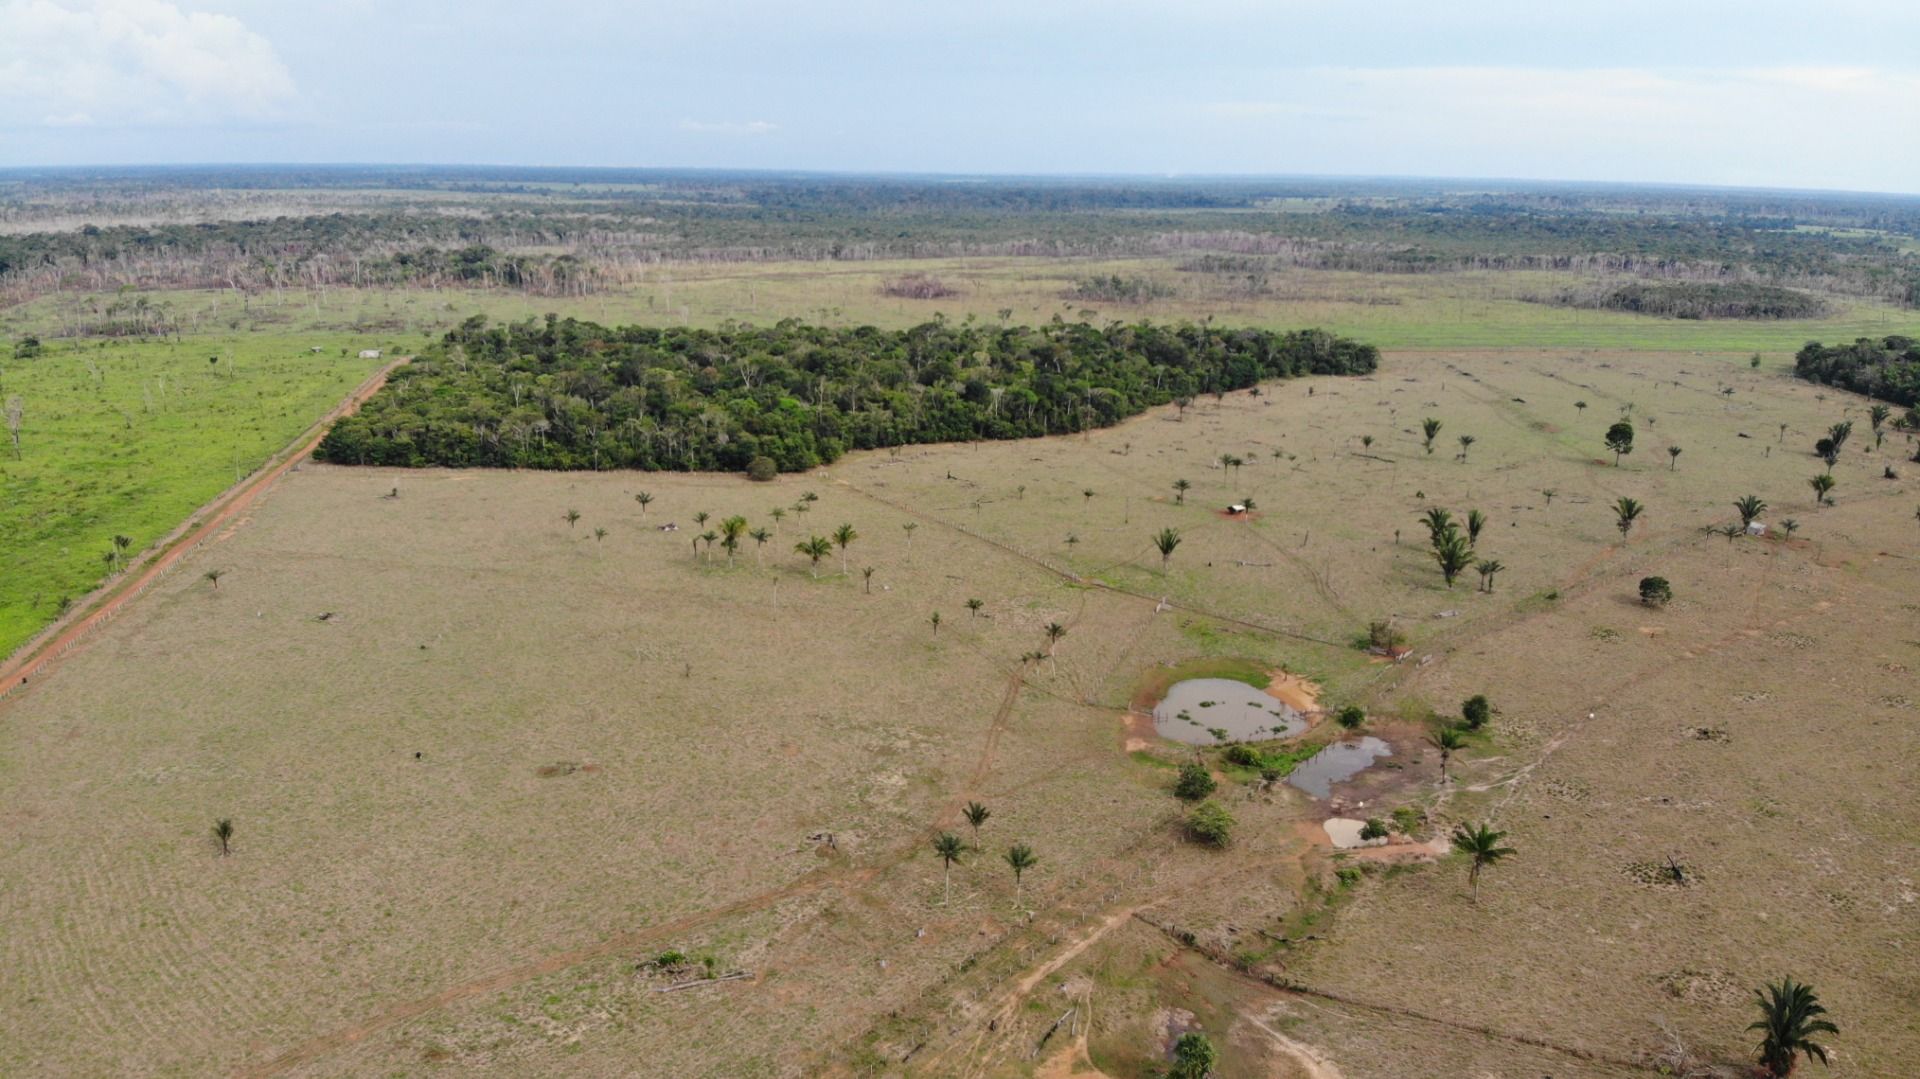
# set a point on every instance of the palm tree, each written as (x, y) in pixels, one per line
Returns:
(1453, 554)
(934, 619)
(1438, 522)
(1448, 740)
(908, 528)
(843, 536)
(815, 548)
(1366, 442)
(1021, 858)
(949, 848)
(1790, 1015)
(731, 531)
(1431, 428)
(1166, 541)
(701, 518)
(973, 607)
(1488, 567)
(1087, 496)
(1476, 521)
(1625, 512)
(1548, 493)
(1822, 484)
(1055, 631)
(1790, 526)
(708, 537)
(571, 516)
(1466, 443)
(1483, 844)
(778, 513)
(1180, 488)
(599, 535)
(977, 815)
(1749, 507)
(213, 577)
(1877, 417)
(645, 498)
(759, 536)
(1673, 457)
(866, 578)
(223, 831)
(122, 544)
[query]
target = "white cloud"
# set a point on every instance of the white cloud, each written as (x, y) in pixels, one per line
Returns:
(751, 127)
(133, 63)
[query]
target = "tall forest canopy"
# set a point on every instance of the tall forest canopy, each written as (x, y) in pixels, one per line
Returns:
(567, 394)
(1888, 368)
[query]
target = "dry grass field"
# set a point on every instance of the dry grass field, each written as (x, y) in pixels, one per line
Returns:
(482, 762)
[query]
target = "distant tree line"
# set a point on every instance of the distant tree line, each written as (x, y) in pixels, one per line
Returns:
(566, 394)
(1888, 368)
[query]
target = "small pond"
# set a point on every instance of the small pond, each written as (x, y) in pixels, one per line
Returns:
(1198, 707)
(1340, 761)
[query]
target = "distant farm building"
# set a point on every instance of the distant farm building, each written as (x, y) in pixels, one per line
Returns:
(1756, 528)
(1237, 508)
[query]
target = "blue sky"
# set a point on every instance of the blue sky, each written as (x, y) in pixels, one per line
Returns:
(1757, 93)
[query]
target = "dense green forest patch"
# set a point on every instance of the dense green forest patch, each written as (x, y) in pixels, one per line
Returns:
(1887, 368)
(567, 394)
(1696, 300)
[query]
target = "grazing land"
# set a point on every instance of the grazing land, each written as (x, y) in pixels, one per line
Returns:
(488, 763)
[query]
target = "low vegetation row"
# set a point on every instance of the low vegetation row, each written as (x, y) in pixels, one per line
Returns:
(1695, 300)
(1888, 368)
(565, 394)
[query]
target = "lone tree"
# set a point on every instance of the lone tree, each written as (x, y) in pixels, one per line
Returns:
(1466, 443)
(223, 831)
(1210, 824)
(572, 517)
(213, 577)
(908, 528)
(645, 498)
(1749, 507)
(1165, 542)
(949, 848)
(843, 538)
(760, 536)
(1822, 489)
(1625, 512)
(1476, 711)
(1194, 782)
(1020, 858)
(1483, 845)
(866, 577)
(934, 620)
(815, 548)
(1620, 440)
(1655, 591)
(977, 815)
(1429, 427)
(1448, 740)
(973, 607)
(1180, 489)
(1193, 1057)
(1350, 717)
(1790, 1015)
(1054, 631)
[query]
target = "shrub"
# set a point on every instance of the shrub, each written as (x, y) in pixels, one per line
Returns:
(762, 469)
(1350, 717)
(1407, 818)
(1242, 756)
(1476, 711)
(1210, 824)
(1655, 591)
(918, 286)
(1375, 828)
(1195, 782)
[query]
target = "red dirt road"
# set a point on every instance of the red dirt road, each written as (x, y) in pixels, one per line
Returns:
(37, 656)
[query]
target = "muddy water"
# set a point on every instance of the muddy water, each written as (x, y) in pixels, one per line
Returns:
(1196, 708)
(1339, 761)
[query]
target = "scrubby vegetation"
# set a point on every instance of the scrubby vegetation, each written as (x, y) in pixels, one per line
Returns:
(566, 394)
(1888, 368)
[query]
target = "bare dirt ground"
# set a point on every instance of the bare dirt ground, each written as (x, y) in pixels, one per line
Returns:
(481, 762)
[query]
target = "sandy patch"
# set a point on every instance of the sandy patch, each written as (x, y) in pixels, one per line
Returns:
(1295, 692)
(1344, 833)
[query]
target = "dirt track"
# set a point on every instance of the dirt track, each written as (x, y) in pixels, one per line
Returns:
(36, 656)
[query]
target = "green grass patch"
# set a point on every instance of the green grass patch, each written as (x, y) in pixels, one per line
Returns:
(128, 438)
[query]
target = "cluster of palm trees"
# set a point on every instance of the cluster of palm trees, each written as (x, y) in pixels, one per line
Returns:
(1453, 549)
(1019, 857)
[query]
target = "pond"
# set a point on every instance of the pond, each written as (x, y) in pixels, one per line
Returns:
(1340, 761)
(1214, 711)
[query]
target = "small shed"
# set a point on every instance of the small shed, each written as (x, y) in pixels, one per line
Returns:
(369, 353)
(1756, 528)
(1237, 508)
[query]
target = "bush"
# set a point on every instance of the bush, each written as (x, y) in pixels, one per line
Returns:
(1476, 711)
(762, 469)
(1375, 828)
(1210, 824)
(1382, 636)
(1655, 591)
(918, 286)
(1350, 717)
(1242, 756)
(1195, 782)
(1407, 818)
